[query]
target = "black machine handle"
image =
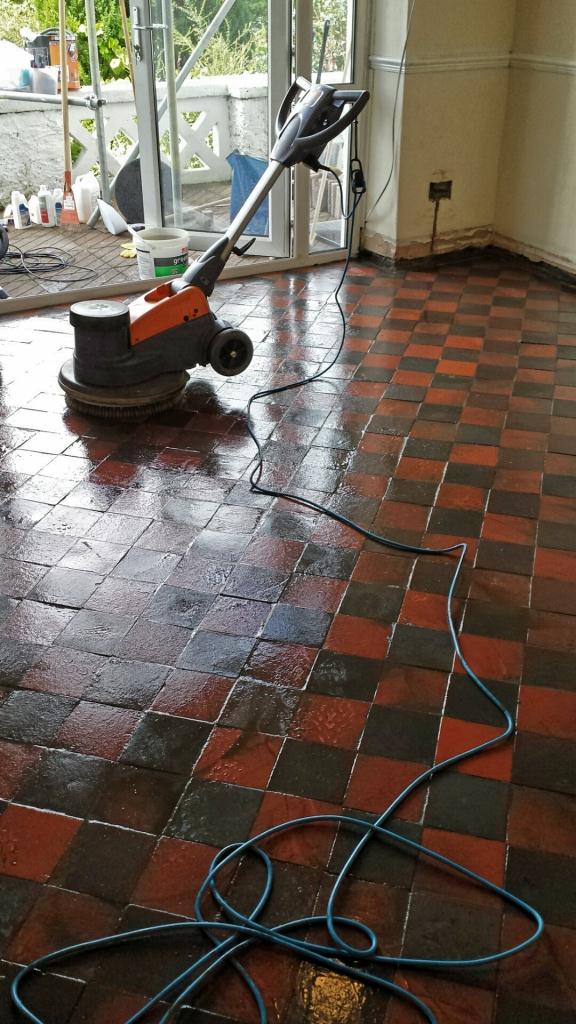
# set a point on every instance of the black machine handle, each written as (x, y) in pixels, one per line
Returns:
(304, 129)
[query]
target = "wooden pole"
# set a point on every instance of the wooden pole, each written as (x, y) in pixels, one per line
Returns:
(127, 40)
(69, 215)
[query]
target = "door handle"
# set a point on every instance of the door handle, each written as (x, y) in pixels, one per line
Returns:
(137, 28)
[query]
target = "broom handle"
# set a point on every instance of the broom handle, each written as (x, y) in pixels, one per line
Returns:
(127, 40)
(64, 88)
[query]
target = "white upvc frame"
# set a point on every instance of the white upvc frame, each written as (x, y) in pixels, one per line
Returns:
(277, 243)
(361, 16)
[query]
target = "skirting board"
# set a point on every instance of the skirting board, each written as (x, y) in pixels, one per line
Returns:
(476, 238)
(418, 248)
(534, 254)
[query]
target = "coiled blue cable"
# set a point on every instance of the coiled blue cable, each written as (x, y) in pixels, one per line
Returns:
(237, 931)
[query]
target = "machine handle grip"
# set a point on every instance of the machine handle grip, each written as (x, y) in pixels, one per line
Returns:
(358, 98)
(298, 86)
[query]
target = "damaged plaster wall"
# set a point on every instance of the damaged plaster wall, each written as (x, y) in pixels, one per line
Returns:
(451, 125)
(536, 207)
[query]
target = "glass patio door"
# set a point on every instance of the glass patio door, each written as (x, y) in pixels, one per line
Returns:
(209, 78)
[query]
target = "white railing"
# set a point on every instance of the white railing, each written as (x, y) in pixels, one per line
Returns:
(215, 117)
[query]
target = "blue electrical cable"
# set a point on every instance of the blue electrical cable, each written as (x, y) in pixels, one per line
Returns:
(237, 931)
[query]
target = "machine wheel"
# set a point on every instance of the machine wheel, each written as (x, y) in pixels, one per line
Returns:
(230, 352)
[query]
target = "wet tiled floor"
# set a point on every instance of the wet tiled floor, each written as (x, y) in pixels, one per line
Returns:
(184, 663)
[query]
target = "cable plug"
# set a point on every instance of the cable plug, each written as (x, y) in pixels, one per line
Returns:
(358, 181)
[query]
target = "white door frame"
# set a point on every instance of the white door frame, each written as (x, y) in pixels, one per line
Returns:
(362, 15)
(278, 241)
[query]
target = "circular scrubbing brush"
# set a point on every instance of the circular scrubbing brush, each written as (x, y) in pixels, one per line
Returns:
(135, 401)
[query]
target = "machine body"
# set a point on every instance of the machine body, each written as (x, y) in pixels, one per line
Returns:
(132, 358)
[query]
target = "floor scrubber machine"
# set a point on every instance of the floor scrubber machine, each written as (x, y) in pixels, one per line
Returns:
(131, 360)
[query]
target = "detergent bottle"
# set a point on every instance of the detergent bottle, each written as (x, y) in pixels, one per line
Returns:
(86, 193)
(58, 194)
(34, 208)
(20, 211)
(47, 208)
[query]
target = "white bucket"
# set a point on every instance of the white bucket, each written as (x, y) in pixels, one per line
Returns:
(161, 252)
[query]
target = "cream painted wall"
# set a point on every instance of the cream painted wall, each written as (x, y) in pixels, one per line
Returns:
(456, 27)
(488, 100)
(390, 18)
(453, 123)
(536, 206)
(546, 28)
(454, 102)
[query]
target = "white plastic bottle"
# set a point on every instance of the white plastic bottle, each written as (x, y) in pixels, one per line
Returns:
(47, 208)
(20, 212)
(58, 194)
(34, 208)
(86, 192)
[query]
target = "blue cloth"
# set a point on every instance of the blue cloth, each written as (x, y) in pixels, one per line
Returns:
(246, 172)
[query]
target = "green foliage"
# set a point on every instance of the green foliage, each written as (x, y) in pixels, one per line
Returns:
(240, 46)
(14, 15)
(113, 60)
(336, 12)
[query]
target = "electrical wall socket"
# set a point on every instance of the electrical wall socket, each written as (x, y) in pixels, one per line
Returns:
(439, 190)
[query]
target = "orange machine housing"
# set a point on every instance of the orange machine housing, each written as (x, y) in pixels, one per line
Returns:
(161, 308)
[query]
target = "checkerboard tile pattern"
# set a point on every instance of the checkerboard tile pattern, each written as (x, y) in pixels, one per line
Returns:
(185, 663)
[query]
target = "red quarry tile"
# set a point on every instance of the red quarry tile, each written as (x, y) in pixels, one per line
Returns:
(350, 634)
(285, 664)
(420, 689)
(547, 712)
(315, 592)
(308, 844)
(410, 377)
(331, 720)
(475, 454)
(421, 609)
(557, 510)
(509, 529)
(542, 974)
(403, 515)
(62, 671)
(542, 820)
(434, 431)
(376, 781)
(246, 759)
(491, 658)
(107, 1006)
(526, 440)
(454, 368)
(552, 631)
(16, 760)
(500, 587)
(457, 736)
(61, 918)
(482, 417)
(193, 695)
(445, 396)
(486, 857)
(419, 469)
(369, 485)
(98, 729)
(173, 876)
(383, 444)
(467, 325)
(373, 567)
(516, 480)
(472, 499)
(33, 841)
(555, 565)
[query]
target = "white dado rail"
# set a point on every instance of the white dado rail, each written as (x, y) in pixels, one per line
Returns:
(475, 62)
(216, 116)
